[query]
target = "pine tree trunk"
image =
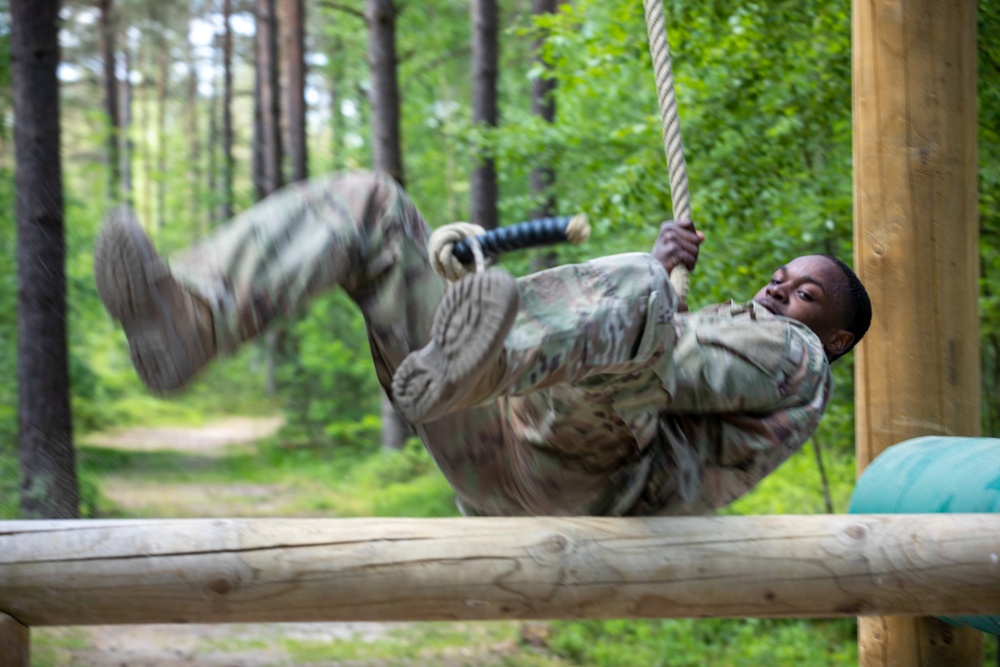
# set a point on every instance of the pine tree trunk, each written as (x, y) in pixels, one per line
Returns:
(485, 64)
(294, 68)
(336, 73)
(543, 104)
(270, 141)
(195, 203)
(386, 151)
(257, 145)
(227, 111)
(162, 90)
(215, 177)
(145, 130)
(127, 146)
(270, 92)
(45, 442)
(110, 84)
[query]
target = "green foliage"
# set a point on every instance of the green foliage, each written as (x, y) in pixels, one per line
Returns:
(331, 392)
(765, 108)
(721, 642)
(9, 472)
(5, 82)
(989, 211)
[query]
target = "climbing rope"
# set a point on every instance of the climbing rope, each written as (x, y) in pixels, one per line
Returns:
(454, 247)
(659, 49)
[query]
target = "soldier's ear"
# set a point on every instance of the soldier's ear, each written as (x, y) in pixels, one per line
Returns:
(838, 342)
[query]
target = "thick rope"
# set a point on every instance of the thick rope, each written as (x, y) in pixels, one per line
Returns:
(659, 48)
(454, 247)
(440, 249)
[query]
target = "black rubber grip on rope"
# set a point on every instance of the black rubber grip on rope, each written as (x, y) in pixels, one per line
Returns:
(540, 232)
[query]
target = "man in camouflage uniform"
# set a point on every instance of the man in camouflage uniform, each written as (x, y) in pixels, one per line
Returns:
(592, 395)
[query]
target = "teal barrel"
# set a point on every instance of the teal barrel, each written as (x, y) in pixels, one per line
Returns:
(930, 475)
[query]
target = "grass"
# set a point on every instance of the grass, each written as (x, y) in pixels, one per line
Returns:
(328, 481)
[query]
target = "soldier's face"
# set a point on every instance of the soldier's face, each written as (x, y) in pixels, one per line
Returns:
(809, 289)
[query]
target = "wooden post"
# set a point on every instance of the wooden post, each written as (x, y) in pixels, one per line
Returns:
(269, 570)
(916, 250)
(15, 643)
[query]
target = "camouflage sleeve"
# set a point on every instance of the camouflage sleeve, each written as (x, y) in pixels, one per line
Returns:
(746, 365)
(760, 384)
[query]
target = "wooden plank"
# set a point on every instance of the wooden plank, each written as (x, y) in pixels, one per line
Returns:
(263, 570)
(916, 249)
(15, 643)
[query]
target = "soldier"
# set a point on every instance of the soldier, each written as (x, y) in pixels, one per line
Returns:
(576, 390)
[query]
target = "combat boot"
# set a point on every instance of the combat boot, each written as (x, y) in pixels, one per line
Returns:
(464, 362)
(170, 331)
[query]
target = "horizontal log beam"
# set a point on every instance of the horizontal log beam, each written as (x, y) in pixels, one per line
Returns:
(268, 570)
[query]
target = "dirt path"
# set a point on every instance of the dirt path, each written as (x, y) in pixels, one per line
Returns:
(194, 645)
(214, 439)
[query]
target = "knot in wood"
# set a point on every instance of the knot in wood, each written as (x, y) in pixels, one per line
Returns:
(224, 580)
(222, 585)
(550, 550)
(855, 532)
(857, 607)
(556, 544)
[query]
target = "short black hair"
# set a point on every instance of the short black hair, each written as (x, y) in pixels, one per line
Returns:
(857, 305)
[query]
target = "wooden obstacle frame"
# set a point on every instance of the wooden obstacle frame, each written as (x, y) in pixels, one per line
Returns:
(268, 570)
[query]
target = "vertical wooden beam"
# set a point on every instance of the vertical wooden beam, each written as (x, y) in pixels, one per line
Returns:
(14, 643)
(916, 250)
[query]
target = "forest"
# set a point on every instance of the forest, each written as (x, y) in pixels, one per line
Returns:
(491, 111)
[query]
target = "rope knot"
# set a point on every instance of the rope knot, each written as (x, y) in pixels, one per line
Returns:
(443, 241)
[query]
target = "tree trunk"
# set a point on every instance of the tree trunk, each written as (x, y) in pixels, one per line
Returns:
(45, 442)
(270, 140)
(145, 121)
(336, 74)
(485, 63)
(215, 177)
(543, 104)
(194, 135)
(293, 58)
(267, 63)
(127, 146)
(227, 111)
(110, 83)
(162, 90)
(386, 151)
(257, 144)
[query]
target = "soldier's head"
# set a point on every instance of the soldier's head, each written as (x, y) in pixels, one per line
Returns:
(825, 295)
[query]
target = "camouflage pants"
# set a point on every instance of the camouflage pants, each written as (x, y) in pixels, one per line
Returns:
(589, 359)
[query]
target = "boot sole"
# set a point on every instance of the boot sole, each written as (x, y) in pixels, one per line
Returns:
(468, 332)
(125, 266)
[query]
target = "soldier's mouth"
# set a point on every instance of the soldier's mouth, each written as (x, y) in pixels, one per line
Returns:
(768, 305)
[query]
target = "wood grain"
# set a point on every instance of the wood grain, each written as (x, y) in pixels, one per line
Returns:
(916, 249)
(260, 570)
